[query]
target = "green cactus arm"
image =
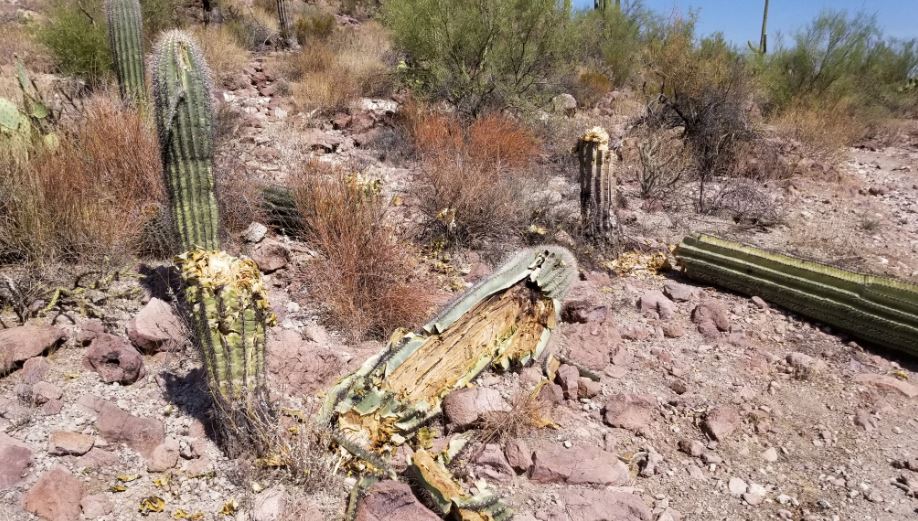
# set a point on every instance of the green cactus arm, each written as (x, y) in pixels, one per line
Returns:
(880, 310)
(125, 36)
(184, 118)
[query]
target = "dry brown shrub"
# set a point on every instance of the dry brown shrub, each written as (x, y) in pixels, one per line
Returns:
(328, 75)
(222, 49)
(88, 197)
(365, 277)
(472, 177)
(824, 131)
(527, 413)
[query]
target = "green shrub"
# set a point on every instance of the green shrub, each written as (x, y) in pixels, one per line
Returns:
(610, 40)
(480, 53)
(75, 33)
(159, 16)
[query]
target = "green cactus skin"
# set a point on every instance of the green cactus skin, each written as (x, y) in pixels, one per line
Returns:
(597, 183)
(184, 120)
(125, 36)
(879, 310)
(283, 21)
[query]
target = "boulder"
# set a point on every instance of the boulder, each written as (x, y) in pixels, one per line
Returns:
(493, 464)
(118, 426)
(270, 255)
(579, 465)
(55, 496)
(721, 421)
(156, 327)
(465, 407)
(66, 443)
(888, 383)
(392, 501)
(18, 344)
(655, 304)
(301, 367)
(679, 292)
(16, 458)
(603, 505)
(96, 505)
(518, 455)
(593, 344)
(629, 411)
(114, 359)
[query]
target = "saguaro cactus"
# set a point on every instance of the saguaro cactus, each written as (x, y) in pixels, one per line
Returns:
(184, 120)
(283, 20)
(597, 183)
(505, 320)
(125, 31)
(880, 310)
(224, 296)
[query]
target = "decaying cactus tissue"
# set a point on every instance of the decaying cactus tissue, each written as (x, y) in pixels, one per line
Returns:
(224, 296)
(880, 310)
(505, 320)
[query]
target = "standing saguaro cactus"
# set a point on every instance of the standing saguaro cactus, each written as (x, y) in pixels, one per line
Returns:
(597, 183)
(125, 36)
(224, 296)
(283, 19)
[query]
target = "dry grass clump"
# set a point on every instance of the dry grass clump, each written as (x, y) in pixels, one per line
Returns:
(327, 75)
(87, 197)
(364, 277)
(824, 132)
(527, 413)
(472, 176)
(222, 49)
(314, 25)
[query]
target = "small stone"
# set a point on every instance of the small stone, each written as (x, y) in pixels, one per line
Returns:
(569, 378)
(156, 328)
(804, 366)
(629, 411)
(117, 426)
(679, 292)
(759, 302)
(755, 494)
(392, 500)
(114, 359)
(672, 330)
(581, 465)
(587, 388)
(655, 304)
(271, 505)
(465, 407)
(255, 233)
(34, 370)
(721, 421)
(518, 455)
(164, 457)
(96, 506)
(65, 443)
(270, 256)
(737, 487)
(43, 392)
(693, 448)
(889, 383)
(770, 455)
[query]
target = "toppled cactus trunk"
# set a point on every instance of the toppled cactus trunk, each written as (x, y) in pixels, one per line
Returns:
(125, 37)
(505, 320)
(597, 184)
(225, 299)
(879, 310)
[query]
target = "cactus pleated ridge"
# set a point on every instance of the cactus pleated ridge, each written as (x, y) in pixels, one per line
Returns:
(597, 183)
(125, 36)
(185, 124)
(283, 23)
(880, 310)
(506, 320)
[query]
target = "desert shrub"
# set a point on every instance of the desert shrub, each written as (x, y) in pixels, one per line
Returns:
(253, 26)
(822, 130)
(705, 90)
(328, 75)
(222, 49)
(480, 54)
(87, 197)
(610, 40)
(472, 176)
(364, 276)
(361, 8)
(314, 25)
(159, 16)
(662, 166)
(75, 34)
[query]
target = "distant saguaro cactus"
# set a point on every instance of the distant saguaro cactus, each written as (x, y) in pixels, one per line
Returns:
(597, 183)
(283, 20)
(125, 31)
(225, 298)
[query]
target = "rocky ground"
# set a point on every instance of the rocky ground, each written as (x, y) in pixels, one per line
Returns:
(675, 401)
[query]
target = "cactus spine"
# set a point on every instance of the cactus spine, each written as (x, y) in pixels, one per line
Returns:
(125, 30)
(225, 298)
(597, 183)
(283, 20)
(184, 120)
(879, 310)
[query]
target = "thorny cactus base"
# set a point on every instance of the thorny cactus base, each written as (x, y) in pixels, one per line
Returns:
(504, 321)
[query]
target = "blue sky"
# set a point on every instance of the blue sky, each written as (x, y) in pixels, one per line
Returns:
(740, 20)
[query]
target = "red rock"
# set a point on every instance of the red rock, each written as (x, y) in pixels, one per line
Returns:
(569, 378)
(156, 328)
(673, 330)
(164, 457)
(392, 501)
(270, 255)
(18, 344)
(636, 332)
(63, 443)
(96, 506)
(97, 459)
(711, 317)
(579, 465)
(492, 463)
(465, 407)
(16, 458)
(679, 292)
(34, 370)
(721, 421)
(518, 455)
(655, 304)
(55, 496)
(141, 434)
(43, 392)
(588, 388)
(888, 383)
(299, 366)
(591, 345)
(582, 312)
(271, 505)
(603, 505)
(629, 411)
(551, 394)
(114, 359)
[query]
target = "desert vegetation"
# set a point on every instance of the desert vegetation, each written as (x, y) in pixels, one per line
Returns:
(279, 259)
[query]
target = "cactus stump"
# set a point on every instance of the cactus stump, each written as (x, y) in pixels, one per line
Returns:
(597, 184)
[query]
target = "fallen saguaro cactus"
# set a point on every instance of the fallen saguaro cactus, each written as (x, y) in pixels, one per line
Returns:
(505, 320)
(879, 310)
